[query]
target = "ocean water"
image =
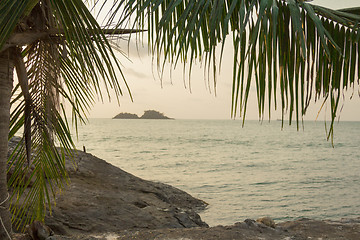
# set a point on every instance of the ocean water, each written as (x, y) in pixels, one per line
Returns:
(242, 172)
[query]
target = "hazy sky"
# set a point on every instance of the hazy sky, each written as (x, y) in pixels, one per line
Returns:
(175, 99)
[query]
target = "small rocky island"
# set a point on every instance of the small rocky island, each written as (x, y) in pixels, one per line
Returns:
(148, 114)
(126, 116)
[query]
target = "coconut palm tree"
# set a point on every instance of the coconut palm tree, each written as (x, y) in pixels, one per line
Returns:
(291, 50)
(59, 53)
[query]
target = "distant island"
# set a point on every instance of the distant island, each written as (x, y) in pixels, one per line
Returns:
(126, 116)
(148, 114)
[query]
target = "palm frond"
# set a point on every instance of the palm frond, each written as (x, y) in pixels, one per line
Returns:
(46, 172)
(292, 51)
(355, 10)
(88, 45)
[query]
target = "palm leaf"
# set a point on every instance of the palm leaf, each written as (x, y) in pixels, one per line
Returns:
(47, 167)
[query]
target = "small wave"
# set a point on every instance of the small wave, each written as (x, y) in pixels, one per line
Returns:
(251, 165)
(145, 151)
(263, 183)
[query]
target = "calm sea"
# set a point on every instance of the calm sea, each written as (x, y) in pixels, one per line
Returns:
(255, 171)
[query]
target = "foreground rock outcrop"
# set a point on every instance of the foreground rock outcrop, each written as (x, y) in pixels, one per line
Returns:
(103, 198)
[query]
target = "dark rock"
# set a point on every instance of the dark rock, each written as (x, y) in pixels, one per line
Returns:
(51, 238)
(188, 219)
(39, 231)
(249, 222)
(20, 236)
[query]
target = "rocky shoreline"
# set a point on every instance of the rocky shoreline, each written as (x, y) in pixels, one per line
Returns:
(105, 202)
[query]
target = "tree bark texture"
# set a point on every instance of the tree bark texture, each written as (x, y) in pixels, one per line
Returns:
(6, 84)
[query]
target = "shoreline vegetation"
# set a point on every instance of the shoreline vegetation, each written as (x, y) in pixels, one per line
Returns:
(148, 114)
(104, 202)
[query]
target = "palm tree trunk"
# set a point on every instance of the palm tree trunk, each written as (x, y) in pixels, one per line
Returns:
(6, 84)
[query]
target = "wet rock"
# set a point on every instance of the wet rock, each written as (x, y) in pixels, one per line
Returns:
(267, 221)
(249, 222)
(188, 219)
(51, 238)
(39, 231)
(20, 236)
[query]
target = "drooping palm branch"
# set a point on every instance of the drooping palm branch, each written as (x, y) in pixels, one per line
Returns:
(291, 50)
